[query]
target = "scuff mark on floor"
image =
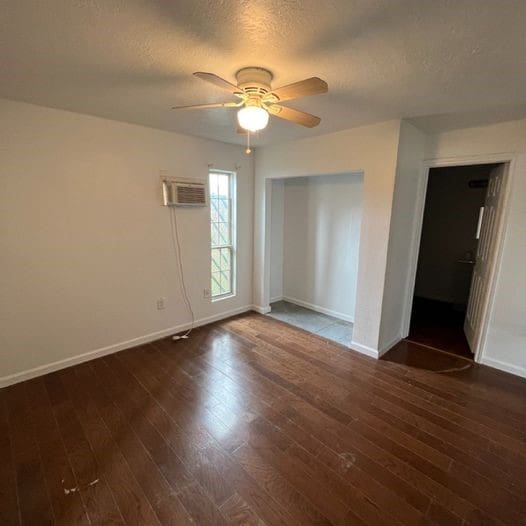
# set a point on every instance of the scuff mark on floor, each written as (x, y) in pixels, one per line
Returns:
(455, 369)
(75, 489)
(347, 460)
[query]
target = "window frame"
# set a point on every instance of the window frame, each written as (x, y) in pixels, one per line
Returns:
(232, 216)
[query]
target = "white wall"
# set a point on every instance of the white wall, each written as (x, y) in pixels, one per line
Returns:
(371, 150)
(396, 296)
(321, 242)
(276, 240)
(390, 220)
(85, 243)
(506, 342)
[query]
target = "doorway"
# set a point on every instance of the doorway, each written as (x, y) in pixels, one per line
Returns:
(457, 246)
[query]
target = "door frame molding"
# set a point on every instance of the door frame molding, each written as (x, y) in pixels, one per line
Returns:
(427, 164)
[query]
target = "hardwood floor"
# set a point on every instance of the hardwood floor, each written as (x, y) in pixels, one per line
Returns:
(252, 421)
(440, 325)
(429, 358)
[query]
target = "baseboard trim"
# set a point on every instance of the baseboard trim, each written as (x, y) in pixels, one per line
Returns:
(363, 349)
(504, 366)
(261, 309)
(317, 308)
(276, 298)
(371, 351)
(116, 347)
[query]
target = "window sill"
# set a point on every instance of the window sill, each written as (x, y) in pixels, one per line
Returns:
(225, 297)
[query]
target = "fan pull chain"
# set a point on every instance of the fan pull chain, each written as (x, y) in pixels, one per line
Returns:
(248, 150)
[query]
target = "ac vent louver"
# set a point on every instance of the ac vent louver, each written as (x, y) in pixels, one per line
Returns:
(184, 193)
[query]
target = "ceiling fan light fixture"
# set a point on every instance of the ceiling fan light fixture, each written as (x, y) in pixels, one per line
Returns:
(257, 100)
(252, 118)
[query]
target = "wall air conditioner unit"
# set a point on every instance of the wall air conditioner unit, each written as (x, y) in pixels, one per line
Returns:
(184, 192)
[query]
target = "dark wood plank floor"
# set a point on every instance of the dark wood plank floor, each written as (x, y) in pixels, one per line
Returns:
(414, 354)
(252, 421)
(440, 325)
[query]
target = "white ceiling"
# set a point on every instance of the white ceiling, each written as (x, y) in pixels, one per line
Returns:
(444, 63)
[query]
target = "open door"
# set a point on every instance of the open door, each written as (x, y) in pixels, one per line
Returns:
(486, 232)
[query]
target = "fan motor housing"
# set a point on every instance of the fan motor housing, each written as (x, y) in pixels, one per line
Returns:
(254, 80)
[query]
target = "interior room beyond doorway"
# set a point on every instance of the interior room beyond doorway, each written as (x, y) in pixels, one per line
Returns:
(455, 226)
(315, 238)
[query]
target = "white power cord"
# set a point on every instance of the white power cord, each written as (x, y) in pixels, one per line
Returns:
(177, 248)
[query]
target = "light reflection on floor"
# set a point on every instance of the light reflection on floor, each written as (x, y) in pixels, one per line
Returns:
(224, 389)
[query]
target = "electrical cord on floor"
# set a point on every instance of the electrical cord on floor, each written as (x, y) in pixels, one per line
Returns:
(177, 248)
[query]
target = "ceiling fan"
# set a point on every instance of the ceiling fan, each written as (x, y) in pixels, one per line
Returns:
(257, 100)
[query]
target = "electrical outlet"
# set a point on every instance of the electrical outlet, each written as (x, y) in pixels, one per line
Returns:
(161, 304)
(206, 293)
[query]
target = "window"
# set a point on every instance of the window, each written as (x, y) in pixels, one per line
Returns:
(222, 233)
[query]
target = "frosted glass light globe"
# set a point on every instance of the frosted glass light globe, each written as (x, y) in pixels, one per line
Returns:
(252, 118)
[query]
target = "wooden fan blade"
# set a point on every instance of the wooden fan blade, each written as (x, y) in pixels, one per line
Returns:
(303, 88)
(296, 116)
(217, 81)
(207, 106)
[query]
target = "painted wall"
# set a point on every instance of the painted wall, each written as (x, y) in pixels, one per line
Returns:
(403, 225)
(371, 150)
(321, 242)
(449, 232)
(85, 248)
(506, 343)
(276, 239)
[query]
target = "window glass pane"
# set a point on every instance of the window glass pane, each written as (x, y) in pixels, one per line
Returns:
(216, 260)
(221, 234)
(222, 210)
(214, 214)
(225, 259)
(225, 281)
(216, 286)
(223, 185)
(213, 185)
(224, 233)
(214, 234)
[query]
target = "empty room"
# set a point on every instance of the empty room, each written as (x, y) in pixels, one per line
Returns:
(262, 263)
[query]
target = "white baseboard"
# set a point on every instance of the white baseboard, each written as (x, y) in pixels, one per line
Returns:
(110, 349)
(364, 349)
(371, 351)
(261, 309)
(317, 308)
(504, 366)
(276, 298)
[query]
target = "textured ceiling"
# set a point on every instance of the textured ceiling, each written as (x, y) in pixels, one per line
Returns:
(444, 63)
